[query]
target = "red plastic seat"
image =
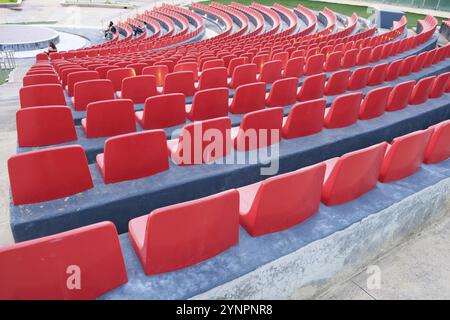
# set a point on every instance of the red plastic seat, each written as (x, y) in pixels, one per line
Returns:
(117, 75)
(209, 104)
(271, 71)
(259, 60)
(48, 174)
(363, 56)
(234, 63)
(214, 63)
(294, 67)
(89, 91)
(180, 82)
(40, 79)
(421, 90)
(138, 88)
(349, 58)
(400, 95)
(159, 71)
(78, 76)
(162, 111)
(407, 66)
(258, 129)
(243, 74)
(249, 97)
(429, 58)
(314, 64)
(337, 83)
(103, 71)
(92, 252)
(283, 93)
(343, 111)
(312, 87)
(213, 78)
(374, 104)
(375, 56)
(41, 57)
(281, 202)
(352, 175)
(393, 70)
(138, 67)
(187, 66)
(377, 74)
(185, 234)
(43, 126)
(133, 156)
(439, 85)
(419, 62)
(305, 118)
(194, 144)
(109, 118)
(333, 61)
(283, 56)
(65, 73)
(438, 148)
(405, 155)
(359, 78)
(42, 95)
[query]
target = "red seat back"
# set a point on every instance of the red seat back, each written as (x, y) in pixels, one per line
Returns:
(399, 96)
(359, 78)
(271, 71)
(89, 91)
(421, 91)
(374, 104)
(117, 75)
(163, 111)
(48, 174)
(91, 253)
(305, 118)
(343, 111)
(43, 126)
(213, 78)
(337, 83)
(312, 87)
(78, 76)
(249, 97)
(393, 70)
(377, 74)
(139, 88)
(159, 71)
(294, 67)
(38, 95)
(180, 82)
(282, 93)
(209, 103)
(333, 61)
(243, 74)
(438, 148)
(103, 70)
(40, 79)
(439, 85)
(314, 64)
(187, 66)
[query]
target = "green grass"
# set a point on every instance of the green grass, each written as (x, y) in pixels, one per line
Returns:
(8, 1)
(4, 76)
(347, 10)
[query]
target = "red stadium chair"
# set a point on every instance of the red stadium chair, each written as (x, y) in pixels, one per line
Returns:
(187, 66)
(65, 73)
(213, 78)
(133, 156)
(349, 59)
(138, 67)
(41, 57)
(103, 71)
(259, 60)
(89, 91)
(314, 64)
(400, 95)
(40, 79)
(249, 97)
(209, 104)
(258, 129)
(283, 93)
(421, 91)
(344, 111)
(234, 63)
(282, 56)
(180, 82)
(419, 62)
(407, 65)
(405, 155)
(42, 95)
(48, 174)
(337, 83)
(393, 70)
(117, 75)
(209, 226)
(159, 71)
(304, 119)
(439, 85)
(43, 126)
(194, 144)
(363, 56)
(214, 63)
(138, 88)
(162, 111)
(377, 74)
(352, 175)
(294, 67)
(438, 148)
(281, 202)
(333, 61)
(109, 118)
(78, 76)
(93, 252)
(374, 104)
(312, 88)
(359, 78)
(271, 71)
(243, 74)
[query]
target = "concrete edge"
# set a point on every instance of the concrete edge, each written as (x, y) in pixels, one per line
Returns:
(313, 269)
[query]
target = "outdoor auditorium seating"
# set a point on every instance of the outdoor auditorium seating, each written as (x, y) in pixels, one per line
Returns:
(159, 71)
(117, 75)
(374, 103)
(138, 67)
(259, 60)
(74, 77)
(64, 73)
(89, 91)
(438, 148)
(162, 111)
(314, 64)
(393, 70)
(43, 126)
(249, 97)
(337, 83)
(234, 63)
(187, 233)
(349, 58)
(193, 145)
(180, 82)
(138, 88)
(344, 111)
(377, 74)
(399, 96)
(359, 78)
(109, 118)
(405, 155)
(280, 202)
(213, 63)
(271, 71)
(352, 175)
(208, 104)
(305, 118)
(407, 66)
(439, 85)
(38, 95)
(333, 61)
(48, 174)
(133, 156)
(421, 90)
(93, 250)
(294, 67)
(282, 93)
(243, 74)
(187, 66)
(103, 70)
(213, 78)
(40, 79)
(312, 87)
(258, 129)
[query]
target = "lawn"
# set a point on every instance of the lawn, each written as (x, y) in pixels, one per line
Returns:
(362, 11)
(3, 75)
(8, 1)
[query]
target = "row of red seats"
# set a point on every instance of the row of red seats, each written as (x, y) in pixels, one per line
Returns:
(272, 205)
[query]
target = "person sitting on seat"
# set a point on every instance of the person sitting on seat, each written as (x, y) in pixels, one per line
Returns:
(51, 48)
(110, 31)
